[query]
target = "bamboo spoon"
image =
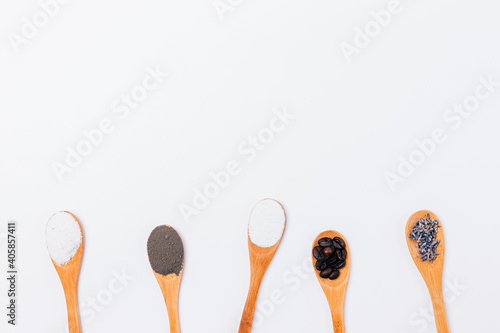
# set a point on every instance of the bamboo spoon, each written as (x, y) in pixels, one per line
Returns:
(260, 257)
(432, 273)
(68, 274)
(169, 286)
(163, 263)
(335, 290)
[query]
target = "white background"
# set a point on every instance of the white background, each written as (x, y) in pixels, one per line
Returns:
(353, 121)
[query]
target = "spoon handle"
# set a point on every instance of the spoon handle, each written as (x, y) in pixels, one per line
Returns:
(173, 310)
(248, 312)
(170, 290)
(70, 292)
(336, 298)
(439, 310)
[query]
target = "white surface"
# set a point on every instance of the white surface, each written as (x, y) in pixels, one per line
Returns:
(63, 236)
(266, 223)
(327, 165)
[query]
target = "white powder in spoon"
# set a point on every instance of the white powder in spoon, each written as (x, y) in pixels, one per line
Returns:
(267, 223)
(63, 236)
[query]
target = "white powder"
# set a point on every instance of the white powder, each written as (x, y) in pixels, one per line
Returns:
(63, 236)
(267, 223)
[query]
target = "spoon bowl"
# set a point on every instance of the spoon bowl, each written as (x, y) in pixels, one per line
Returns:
(335, 290)
(68, 274)
(432, 273)
(260, 257)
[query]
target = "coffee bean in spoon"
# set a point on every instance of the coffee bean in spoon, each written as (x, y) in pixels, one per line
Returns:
(336, 246)
(339, 264)
(325, 242)
(341, 254)
(317, 252)
(326, 272)
(330, 255)
(334, 274)
(333, 260)
(321, 265)
(328, 251)
(339, 241)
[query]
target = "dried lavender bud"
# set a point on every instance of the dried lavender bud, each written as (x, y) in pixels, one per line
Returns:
(424, 232)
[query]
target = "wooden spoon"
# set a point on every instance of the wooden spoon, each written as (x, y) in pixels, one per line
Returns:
(335, 290)
(432, 273)
(260, 257)
(68, 273)
(170, 283)
(169, 286)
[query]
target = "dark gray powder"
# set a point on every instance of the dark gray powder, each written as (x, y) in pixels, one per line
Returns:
(165, 250)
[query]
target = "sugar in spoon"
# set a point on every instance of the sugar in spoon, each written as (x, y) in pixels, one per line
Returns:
(265, 231)
(64, 238)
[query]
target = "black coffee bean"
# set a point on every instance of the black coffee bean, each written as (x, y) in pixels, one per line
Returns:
(335, 274)
(321, 265)
(340, 254)
(344, 253)
(333, 260)
(326, 272)
(336, 246)
(317, 252)
(325, 242)
(339, 264)
(328, 251)
(339, 241)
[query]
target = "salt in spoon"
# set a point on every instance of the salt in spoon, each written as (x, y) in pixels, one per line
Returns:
(432, 273)
(335, 290)
(267, 216)
(68, 271)
(166, 256)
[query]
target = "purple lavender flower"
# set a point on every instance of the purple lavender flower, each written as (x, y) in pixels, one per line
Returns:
(424, 232)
